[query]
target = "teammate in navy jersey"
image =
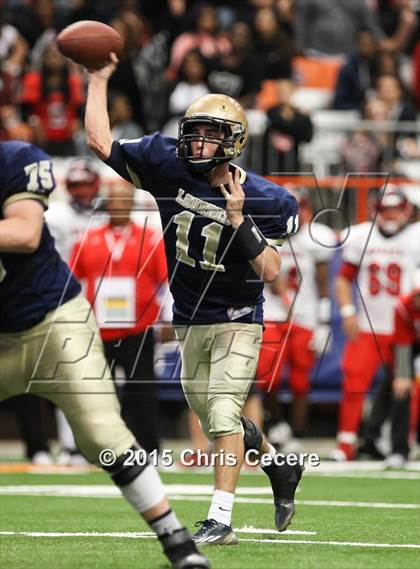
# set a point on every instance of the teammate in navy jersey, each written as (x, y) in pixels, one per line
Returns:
(221, 226)
(49, 345)
(34, 283)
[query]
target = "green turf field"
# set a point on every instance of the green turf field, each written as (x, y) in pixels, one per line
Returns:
(356, 519)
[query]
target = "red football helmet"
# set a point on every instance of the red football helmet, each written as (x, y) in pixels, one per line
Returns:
(82, 182)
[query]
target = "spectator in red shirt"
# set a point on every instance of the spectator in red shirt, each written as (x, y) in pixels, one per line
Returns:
(123, 268)
(53, 97)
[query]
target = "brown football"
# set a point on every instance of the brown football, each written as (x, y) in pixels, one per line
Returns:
(89, 43)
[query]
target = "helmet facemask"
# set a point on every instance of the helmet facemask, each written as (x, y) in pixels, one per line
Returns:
(229, 133)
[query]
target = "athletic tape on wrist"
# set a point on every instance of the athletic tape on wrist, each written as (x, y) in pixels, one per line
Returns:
(347, 310)
(324, 310)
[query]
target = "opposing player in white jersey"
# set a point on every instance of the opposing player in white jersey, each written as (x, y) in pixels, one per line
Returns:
(297, 313)
(380, 259)
(68, 221)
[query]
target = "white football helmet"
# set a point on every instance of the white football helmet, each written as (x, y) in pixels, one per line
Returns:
(393, 210)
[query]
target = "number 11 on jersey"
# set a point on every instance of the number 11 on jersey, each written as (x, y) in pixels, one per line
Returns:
(210, 232)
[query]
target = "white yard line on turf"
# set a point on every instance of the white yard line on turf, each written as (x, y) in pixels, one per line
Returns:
(135, 534)
(334, 503)
(149, 535)
(127, 534)
(273, 531)
(180, 492)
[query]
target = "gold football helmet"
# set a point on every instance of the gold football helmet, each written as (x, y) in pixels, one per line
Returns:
(230, 120)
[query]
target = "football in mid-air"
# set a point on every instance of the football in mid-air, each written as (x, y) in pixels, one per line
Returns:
(89, 43)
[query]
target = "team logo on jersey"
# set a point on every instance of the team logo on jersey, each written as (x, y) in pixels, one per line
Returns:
(235, 313)
(202, 207)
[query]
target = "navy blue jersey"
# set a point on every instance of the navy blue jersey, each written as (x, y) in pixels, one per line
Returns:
(210, 278)
(33, 284)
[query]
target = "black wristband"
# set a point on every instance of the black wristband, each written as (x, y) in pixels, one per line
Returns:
(250, 239)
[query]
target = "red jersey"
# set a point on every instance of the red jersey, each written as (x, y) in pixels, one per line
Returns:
(407, 320)
(56, 112)
(122, 270)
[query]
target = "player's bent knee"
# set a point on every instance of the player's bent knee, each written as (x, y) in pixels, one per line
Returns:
(223, 425)
(217, 433)
(124, 468)
(94, 435)
(223, 417)
(92, 448)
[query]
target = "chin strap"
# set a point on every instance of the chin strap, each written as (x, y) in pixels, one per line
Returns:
(201, 168)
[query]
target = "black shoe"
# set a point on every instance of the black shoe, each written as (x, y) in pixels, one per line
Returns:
(214, 533)
(182, 552)
(284, 480)
(370, 449)
(284, 512)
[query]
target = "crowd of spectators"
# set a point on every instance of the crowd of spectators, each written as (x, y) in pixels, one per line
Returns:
(177, 50)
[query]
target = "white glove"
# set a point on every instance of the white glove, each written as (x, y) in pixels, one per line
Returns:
(321, 339)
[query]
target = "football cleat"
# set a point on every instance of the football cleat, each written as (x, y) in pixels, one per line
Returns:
(284, 512)
(214, 533)
(182, 552)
